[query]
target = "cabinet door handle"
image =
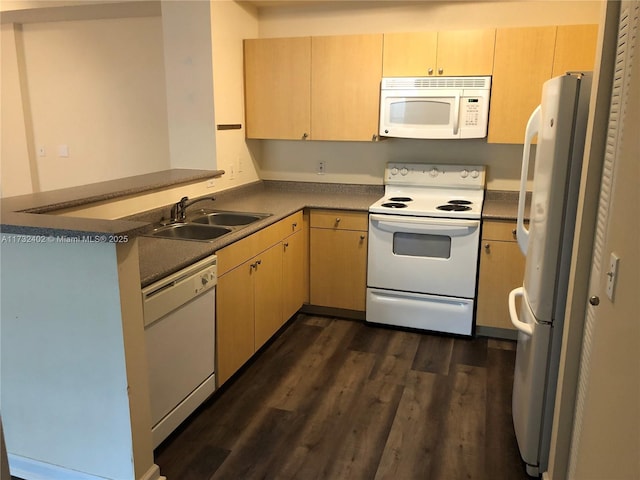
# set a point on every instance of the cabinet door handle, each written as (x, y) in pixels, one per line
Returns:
(440, 71)
(286, 244)
(294, 224)
(305, 135)
(430, 71)
(362, 237)
(513, 232)
(487, 247)
(338, 219)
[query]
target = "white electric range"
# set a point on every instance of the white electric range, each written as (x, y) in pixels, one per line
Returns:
(424, 238)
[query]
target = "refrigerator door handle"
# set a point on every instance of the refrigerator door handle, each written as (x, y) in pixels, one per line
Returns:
(521, 326)
(533, 126)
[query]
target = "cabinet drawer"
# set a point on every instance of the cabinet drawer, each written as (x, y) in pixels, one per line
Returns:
(339, 219)
(499, 230)
(242, 250)
(292, 224)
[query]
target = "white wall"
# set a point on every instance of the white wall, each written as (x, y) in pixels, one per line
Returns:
(98, 87)
(64, 397)
(363, 162)
(186, 30)
(230, 24)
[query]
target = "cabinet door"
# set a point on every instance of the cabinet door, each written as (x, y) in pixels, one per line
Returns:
(501, 270)
(575, 49)
(409, 54)
(465, 52)
(338, 268)
(267, 281)
(345, 86)
(293, 282)
(277, 87)
(523, 62)
(234, 321)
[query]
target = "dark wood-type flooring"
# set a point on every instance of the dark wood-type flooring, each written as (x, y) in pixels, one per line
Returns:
(340, 399)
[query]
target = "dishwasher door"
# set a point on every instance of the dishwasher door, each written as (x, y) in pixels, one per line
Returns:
(180, 340)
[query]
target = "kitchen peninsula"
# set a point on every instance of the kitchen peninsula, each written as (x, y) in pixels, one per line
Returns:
(72, 315)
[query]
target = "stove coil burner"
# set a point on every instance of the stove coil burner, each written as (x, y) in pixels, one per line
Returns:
(401, 199)
(452, 207)
(394, 205)
(459, 202)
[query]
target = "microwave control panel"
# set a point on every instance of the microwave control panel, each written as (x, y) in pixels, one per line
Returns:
(472, 110)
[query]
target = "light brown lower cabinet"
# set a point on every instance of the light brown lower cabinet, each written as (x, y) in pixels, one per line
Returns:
(294, 278)
(338, 259)
(501, 270)
(250, 299)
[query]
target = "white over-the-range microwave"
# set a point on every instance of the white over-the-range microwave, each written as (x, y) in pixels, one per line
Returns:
(434, 107)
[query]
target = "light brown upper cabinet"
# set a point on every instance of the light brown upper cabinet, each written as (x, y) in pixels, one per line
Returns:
(523, 62)
(447, 53)
(525, 58)
(345, 86)
(278, 87)
(575, 49)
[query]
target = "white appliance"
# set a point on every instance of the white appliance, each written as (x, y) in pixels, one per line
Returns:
(179, 318)
(424, 237)
(434, 107)
(560, 124)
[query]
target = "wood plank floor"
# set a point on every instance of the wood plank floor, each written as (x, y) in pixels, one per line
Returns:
(340, 399)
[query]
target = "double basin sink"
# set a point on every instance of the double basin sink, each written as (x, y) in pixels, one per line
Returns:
(206, 226)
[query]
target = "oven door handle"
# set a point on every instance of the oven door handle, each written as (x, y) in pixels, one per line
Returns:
(454, 228)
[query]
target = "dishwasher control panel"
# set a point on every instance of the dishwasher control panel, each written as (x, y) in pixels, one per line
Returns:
(164, 296)
(205, 280)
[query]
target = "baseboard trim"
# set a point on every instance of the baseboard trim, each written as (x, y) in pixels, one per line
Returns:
(333, 312)
(30, 469)
(495, 332)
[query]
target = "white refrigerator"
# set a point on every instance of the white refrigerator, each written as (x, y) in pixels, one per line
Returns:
(560, 124)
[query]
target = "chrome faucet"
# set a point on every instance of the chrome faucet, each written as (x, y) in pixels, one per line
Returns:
(179, 210)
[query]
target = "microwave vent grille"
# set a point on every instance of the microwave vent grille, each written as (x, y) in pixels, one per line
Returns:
(408, 83)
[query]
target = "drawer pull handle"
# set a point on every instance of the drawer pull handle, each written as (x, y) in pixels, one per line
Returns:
(362, 237)
(487, 247)
(338, 219)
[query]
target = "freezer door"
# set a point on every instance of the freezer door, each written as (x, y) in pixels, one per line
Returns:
(529, 383)
(552, 160)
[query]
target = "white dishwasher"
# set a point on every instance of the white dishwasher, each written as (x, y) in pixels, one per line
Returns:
(179, 325)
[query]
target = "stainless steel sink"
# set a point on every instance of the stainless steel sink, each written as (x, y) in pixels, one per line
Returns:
(228, 219)
(190, 231)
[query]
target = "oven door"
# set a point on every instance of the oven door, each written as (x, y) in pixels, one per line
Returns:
(425, 255)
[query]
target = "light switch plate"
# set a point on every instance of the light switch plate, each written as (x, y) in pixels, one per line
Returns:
(612, 275)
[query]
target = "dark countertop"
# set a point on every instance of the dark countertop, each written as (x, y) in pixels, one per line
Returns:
(161, 257)
(27, 214)
(502, 205)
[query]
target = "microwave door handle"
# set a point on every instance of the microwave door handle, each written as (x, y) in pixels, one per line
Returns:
(456, 116)
(533, 126)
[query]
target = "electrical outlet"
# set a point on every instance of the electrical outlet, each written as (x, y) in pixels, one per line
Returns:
(321, 168)
(63, 151)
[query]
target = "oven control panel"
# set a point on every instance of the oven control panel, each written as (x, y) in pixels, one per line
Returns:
(458, 176)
